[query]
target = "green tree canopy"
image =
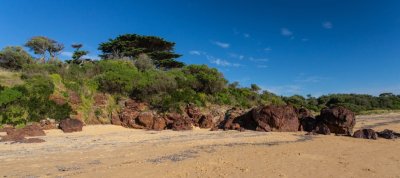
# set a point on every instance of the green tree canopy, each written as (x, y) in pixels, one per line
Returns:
(14, 57)
(132, 45)
(42, 45)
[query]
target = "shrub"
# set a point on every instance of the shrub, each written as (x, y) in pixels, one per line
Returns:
(14, 57)
(117, 76)
(205, 79)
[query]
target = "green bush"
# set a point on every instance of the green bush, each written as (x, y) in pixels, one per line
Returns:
(14, 57)
(117, 76)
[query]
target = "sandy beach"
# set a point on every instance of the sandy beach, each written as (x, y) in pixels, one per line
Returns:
(113, 151)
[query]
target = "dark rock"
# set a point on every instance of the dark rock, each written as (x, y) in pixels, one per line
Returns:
(274, 118)
(194, 113)
(307, 120)
(339, 120)
(71, 125)
(322, 128)
(206, 121)
(178, 122)
(388, 134)
(366, 134)
(233, 119)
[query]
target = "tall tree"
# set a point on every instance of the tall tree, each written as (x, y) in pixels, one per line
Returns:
(41, 45)
(132, 45)
(78, 53)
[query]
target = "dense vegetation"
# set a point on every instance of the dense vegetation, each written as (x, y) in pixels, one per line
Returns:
(133, 66)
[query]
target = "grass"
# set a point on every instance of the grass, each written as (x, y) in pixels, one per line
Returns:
(378, 111)
(9, 78)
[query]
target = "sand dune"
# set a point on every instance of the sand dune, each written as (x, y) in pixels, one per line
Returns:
(112, 151)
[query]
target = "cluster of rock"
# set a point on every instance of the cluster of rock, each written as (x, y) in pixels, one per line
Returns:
(372, 134)
(138, 116)
(272, 118)
(18, 135)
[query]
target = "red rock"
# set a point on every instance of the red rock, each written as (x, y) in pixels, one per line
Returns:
(366, 134)
(71, 125)
(206, 121)
(339, 120)
(159, 123)
(275, 118)
(145, 119)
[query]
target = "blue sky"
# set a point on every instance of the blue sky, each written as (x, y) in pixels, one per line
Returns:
(288, 47)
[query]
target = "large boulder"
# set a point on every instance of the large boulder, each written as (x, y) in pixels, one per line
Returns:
(366, 134)
(388, 134)
(274, 118)
(145, 120)
(234, 119)
(178, 122)
(307, 120)
(71, 125)
(206, 121)
(339, 120)
(159, 123)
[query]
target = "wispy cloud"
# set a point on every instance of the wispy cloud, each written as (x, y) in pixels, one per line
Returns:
(286, 32)
(236, 56)
(222, 62)
(221, 44)
(246, 35)
(303, 78)
(195, 52)
(327, 25)
(262, 66)
(305, 39)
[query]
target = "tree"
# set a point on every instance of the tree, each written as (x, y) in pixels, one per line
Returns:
(78, 53)
(41, 45)
(131, 46)
(255, 88)
(14, 57)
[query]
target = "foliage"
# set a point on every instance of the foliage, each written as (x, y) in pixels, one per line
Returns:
(131, 46)
(41, 45)
(117, 76)
(14, 57)
(204, 79)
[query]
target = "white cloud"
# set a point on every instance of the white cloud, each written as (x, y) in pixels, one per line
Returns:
(90, 57)
(286, 32)
(327, 25)
(246, 35)
(221, 44)
(194, 52)
(221, 62)
(67, 54)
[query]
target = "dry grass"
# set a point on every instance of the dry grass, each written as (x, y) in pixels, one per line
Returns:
(9, 78)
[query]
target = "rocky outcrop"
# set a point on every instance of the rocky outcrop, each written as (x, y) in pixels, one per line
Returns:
(206, 121)
(388, 134)
(365, 134)
(275, 118)
(178, 122)
(307, 120)
(18, 135)
(338, 119)
(70, 125)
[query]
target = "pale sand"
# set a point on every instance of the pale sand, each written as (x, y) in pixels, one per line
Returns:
(112, 151)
